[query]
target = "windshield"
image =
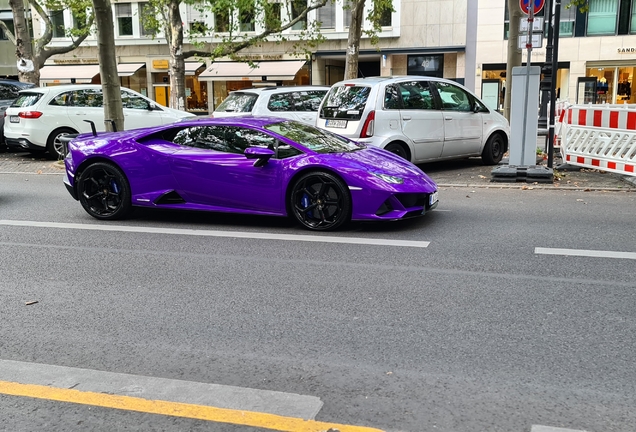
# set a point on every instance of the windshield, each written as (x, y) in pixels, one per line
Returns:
(317, 140)
(345, 102)
(238, 102)
(26, 100)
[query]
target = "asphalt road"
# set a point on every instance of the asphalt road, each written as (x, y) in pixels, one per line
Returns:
(478, 331)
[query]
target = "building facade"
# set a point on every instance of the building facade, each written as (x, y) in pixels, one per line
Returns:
(596, 55)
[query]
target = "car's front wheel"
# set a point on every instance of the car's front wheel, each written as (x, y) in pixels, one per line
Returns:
(320, 201)
(398, 149)
(104, 191)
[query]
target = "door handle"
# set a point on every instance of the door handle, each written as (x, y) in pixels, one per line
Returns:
(406, 117)
(448, 118)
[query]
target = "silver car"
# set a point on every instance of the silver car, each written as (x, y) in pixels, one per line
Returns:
(420, 118)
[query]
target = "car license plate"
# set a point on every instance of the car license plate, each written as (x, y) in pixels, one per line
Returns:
(14, 119)
(337, 123)
(432, 199)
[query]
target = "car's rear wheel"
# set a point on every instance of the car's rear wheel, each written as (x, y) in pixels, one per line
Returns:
(104, 191)
(493, 150)
(398, 149)
(320, 201)
(54, 146)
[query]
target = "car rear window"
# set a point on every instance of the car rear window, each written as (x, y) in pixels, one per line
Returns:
(306, 100)
(345, 102)
(238, 102)
(26, 100)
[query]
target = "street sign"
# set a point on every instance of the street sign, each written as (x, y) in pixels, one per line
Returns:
(525, 5)
(537, 25)
(537, 41)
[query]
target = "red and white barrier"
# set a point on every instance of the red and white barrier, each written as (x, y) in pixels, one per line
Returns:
(600, 136)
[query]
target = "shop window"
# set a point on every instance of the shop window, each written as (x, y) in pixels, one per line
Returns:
(246, 18)
(123, 12)
(326, 15)
(602, 17)
(57, 23)
(297, 7)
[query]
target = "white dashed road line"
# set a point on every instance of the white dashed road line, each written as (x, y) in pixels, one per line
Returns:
(585, 253)
(215, 233)
(538, 428)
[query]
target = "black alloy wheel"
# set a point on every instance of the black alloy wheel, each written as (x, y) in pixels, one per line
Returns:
(104, 191)
(493, 150)
(320, 201)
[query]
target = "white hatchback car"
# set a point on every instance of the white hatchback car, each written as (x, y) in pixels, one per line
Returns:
(298, 103)
(420, 118)
(37, 119)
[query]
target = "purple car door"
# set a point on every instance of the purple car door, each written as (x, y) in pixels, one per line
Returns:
(211, 169)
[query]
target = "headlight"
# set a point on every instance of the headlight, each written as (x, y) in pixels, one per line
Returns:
(389, 178)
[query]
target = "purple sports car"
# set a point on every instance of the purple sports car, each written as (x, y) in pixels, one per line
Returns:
(255, 165)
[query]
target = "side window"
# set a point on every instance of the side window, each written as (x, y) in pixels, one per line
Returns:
(416, 95)
(132, 101)
(453, 98)
(238, 139)
(61, 99)
(88, 98)
(280, 102)
(296, 101)
(392, 98)
(204, 137)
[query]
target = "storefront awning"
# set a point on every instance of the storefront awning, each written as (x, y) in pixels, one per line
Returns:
(128, 69)
(82, 74)
(265, 71)
(192, 67)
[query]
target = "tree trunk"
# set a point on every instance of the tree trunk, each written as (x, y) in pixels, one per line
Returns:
(174, 35)
(108, 64)
(24, 45)
(353, 41)
(514, 53)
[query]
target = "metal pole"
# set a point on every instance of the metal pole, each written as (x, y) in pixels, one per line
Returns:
(546, 70)
(528, 62)
(555, 68)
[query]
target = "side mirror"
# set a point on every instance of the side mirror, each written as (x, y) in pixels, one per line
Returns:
(151, 106)
(261, 154)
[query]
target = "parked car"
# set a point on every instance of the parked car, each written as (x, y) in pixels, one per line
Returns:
(295, 103)
(8, 93)
(420, 118)
(40, 116)
(253, 165)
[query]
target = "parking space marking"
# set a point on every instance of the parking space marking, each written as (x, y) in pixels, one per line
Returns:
(215, 233)
(585, 253)
(209, 402)
(539, 428)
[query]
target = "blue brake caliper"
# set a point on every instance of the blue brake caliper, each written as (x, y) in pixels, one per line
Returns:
(304, 201)
(114, 186)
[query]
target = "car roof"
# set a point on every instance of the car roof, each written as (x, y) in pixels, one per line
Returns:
(394, 78)
(17, 83)
(280, 89)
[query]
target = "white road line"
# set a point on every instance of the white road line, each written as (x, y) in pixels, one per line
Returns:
(214, 233)
(190, 392)
(585, 253)
(539, 428)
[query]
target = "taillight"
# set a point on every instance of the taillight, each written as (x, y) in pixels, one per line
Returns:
(367, 129)
(30, 114)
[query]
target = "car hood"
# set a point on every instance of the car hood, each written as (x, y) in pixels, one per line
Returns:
(375, 160)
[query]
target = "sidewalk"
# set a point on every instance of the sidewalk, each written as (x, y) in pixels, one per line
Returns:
(456, 173)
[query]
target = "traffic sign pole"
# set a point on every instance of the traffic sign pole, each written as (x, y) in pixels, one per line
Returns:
(528, 63)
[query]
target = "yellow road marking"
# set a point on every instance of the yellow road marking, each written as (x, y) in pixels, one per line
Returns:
(176, 409)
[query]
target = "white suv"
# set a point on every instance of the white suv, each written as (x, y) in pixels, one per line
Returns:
(37, 119)
(295, 102)
(420, 118)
